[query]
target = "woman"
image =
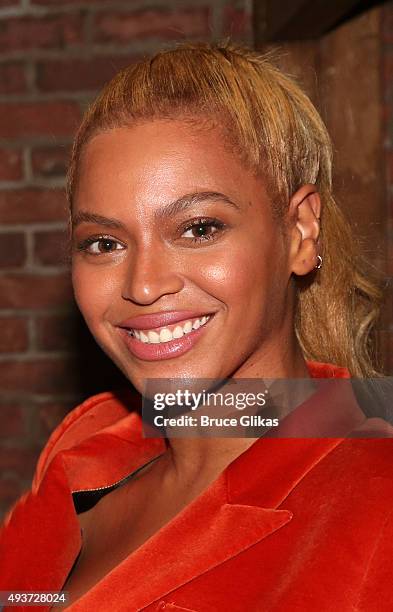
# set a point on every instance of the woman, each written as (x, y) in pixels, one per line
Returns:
(200, 189)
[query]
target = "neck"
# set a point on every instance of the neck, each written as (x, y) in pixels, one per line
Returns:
(202, 459)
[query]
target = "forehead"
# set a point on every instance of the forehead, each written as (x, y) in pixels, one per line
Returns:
(156, 143)
(159, 160)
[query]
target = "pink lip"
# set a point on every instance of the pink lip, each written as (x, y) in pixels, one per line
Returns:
(165, 350)
(159, 319)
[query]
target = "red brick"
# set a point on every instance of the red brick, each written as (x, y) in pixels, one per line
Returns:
(79, 74)
(12, 249)
(38, 119)
(38, 376)
(13, 336)
(50, 415)
(124, 27)
(10, 164)
(51, 248)
(237, 22)
(43, 32)
(18, 461)
(12, 78)
(10, 491)
(27, 291)
(49, 162)
(56, 333)
(32, 206)
(12, 420)
(4, 3)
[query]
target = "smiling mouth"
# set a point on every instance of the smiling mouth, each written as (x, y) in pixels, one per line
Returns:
(164, 334)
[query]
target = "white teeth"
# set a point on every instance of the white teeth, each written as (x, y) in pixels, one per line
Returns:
(143, 336)
(153, 337)
(178, 332)
(187, 327)
(166, 335)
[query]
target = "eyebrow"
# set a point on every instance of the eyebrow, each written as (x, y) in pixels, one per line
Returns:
(169, 210)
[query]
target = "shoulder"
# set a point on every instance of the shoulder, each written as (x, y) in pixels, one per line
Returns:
(86, 419)
(319, 369)
(358, 460)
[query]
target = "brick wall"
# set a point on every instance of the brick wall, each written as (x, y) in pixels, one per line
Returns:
(54, 56)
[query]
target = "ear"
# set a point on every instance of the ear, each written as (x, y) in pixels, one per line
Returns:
(303, 214)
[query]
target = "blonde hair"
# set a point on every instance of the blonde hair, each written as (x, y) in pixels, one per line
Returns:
(278, 132)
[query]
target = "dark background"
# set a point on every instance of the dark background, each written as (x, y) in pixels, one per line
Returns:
(54, 56)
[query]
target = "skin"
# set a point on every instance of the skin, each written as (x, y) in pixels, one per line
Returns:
(243, 274)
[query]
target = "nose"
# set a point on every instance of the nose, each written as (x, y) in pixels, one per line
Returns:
(152, 272)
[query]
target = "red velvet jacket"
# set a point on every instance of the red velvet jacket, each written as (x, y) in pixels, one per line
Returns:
(291, 524)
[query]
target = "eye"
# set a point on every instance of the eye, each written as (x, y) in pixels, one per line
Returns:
(203, 229)
(100, 245)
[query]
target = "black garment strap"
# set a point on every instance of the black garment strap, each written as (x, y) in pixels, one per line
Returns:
(86, 499)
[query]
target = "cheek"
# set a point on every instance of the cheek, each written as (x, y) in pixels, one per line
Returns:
(94, 291)
(238, 275)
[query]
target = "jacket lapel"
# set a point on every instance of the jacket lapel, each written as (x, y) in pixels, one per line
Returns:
(209, 531)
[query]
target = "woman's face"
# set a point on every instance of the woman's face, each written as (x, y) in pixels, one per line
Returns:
(168, 222)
